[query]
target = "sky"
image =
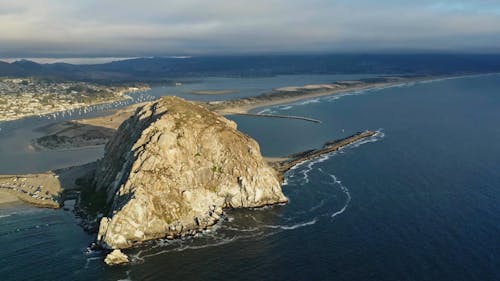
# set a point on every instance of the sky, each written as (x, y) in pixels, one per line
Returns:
(89, 28)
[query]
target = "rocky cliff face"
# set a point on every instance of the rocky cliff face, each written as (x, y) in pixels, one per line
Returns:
(171, 168)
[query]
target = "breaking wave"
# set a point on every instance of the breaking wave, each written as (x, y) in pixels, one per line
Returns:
(346, 192)
(338, 96)
(29, 228)
(253, 226)
(309, 165)
(291, 227)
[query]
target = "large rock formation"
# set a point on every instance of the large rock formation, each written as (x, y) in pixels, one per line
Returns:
(171, 168)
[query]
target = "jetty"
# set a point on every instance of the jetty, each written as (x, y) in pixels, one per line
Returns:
(284, 165)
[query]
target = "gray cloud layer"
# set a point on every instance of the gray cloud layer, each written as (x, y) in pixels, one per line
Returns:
(147, 27)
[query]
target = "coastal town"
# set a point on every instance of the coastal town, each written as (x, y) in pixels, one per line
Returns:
(24, 97)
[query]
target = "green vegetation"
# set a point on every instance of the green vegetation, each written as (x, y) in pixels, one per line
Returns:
(94, 202)
(212, 188)
(217, 169)
(91, 200)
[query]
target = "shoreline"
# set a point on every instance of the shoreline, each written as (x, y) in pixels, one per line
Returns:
(46, 113)
(44, 190)
(284, 164)
(8, 197)
(289, 95)
(242, 106)
(246, 109)
(122, 95)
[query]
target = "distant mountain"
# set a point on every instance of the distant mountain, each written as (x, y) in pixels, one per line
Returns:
(7, 69)
(161, 68)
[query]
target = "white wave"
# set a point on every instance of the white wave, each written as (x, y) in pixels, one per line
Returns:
(286, 218)
(285, 182)
(291, 227)
(181, 245)
(316, 100)
(346, 192)
(184, 247)
(379, 135)
(283, 107)
(5, 216)
(314, 208)
(87, 263)
(267, 207)
(255, 233)
(136, 258)
(267, 110)
(333, 98)
(309, 165)
(455, 77)
(255, 220)
(252, 229)
(220, 243)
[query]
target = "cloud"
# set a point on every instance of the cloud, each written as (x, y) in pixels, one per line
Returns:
(147, 27)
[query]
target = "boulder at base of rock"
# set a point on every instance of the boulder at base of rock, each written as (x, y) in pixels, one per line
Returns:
(170, 170)
(116, 257)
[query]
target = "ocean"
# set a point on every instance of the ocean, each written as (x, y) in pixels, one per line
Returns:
(418, 201)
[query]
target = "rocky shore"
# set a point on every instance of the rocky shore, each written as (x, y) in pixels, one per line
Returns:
(171, 167)
(282, 166)
(170, 170)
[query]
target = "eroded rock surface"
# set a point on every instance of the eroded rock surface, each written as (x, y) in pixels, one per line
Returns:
(116, 257)
(170, 170)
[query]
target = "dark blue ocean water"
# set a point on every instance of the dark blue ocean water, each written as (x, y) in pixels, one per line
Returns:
(420, 201)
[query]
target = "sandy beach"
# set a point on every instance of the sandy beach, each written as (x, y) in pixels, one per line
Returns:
(286, 95)
(240, 106)
(73, 133)
(42, 189)
(7, 196)
(245, 105)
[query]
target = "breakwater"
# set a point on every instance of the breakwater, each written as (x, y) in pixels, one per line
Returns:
(283, 166)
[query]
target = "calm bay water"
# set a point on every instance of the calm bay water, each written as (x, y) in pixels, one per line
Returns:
(420, 201)
(16, 136)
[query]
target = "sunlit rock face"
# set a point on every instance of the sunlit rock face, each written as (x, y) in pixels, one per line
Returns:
(116, 257)
(170, 170)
